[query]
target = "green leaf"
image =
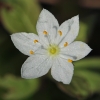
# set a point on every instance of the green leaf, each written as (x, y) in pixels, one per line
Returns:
(21, 16)
(86, 79)
(92, 78)
(18, 88)
(88, 63)
(11, 60)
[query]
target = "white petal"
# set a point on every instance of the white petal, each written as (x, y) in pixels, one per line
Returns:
(47, 22)
(24, 42)
(77, 50)
(69, 30)
(62, 70)
(36, 66)
(41, 51)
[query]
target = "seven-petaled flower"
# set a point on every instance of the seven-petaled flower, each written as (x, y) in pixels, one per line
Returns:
(53, 48)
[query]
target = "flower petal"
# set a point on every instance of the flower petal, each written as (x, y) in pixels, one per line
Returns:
(69, 31)
(36, 66)
(48, 25)
(77, 50)
(62, 70)
(24, 42)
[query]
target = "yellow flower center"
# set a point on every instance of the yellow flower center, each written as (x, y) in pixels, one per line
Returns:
(53, 50)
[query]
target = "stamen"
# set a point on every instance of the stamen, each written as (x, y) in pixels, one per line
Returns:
(35, 41)
(45, 32)
(65, 44)
(31, 52)
(60, 33)
(69, 60)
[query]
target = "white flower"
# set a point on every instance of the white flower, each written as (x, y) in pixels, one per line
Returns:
(53, 48)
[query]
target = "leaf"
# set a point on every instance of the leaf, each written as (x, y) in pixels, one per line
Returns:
(86, 79)
(18, 88)
(11, 87)
(92, 78)
(21, 16)
(88, 63)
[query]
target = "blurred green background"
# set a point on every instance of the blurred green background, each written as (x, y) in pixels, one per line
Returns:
(21, 16)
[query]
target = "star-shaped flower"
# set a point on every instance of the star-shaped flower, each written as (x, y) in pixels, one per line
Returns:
(53, 48)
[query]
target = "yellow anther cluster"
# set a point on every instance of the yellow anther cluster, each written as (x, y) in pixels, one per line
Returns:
(31, 52)
(35, 41)
(69, 60)
(45, 32)
(65, 44)
(60, 33)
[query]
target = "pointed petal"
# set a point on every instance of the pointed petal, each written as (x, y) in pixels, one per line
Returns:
(77, 50)
(24, 42)
(69, 30)
(48, 23)
(36, 66)
(62, 70)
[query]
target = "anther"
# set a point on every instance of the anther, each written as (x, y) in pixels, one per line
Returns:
(35, 41)
(45, 32)
(69, 60)
(65, 44)
(31, 52)
(60, 33)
